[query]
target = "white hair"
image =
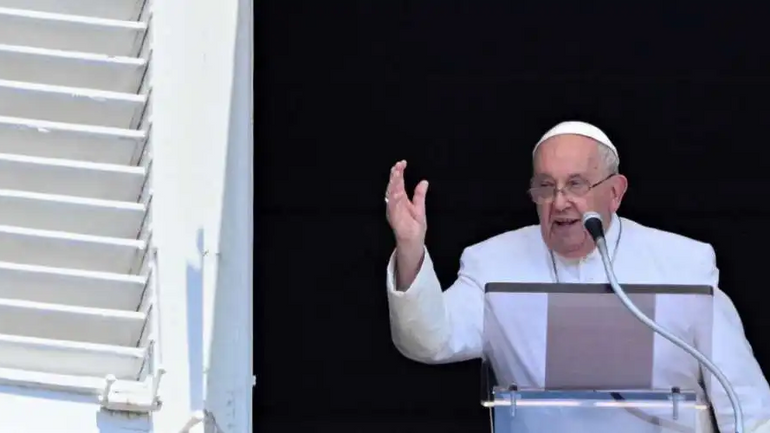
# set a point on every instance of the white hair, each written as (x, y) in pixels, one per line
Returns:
(609, 160)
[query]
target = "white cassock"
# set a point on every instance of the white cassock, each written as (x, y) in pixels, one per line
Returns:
(434, 327)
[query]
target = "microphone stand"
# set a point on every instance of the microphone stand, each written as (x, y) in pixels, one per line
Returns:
(602, 246)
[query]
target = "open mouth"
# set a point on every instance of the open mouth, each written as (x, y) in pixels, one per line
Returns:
(566, 222)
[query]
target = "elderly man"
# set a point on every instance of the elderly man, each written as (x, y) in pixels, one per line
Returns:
(575, 170)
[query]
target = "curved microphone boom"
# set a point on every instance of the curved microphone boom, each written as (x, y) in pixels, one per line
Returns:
(592, 221)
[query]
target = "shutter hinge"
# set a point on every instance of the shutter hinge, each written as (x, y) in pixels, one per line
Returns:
(140, 399)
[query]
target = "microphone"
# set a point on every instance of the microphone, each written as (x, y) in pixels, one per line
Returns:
(592, 221)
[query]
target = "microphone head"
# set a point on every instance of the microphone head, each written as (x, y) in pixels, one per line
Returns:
(592, 221)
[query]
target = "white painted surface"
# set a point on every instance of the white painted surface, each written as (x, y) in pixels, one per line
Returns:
(71, 69)
(69, 104)
(71, 323)
(69, 358)
(71, 287)
(229, 357)
(67, 250)
(113, 9)
(194, 79)
(73, 202)
(35, 411)
(70, 32)
(32, 137)
(71, 214)
(73, 178)
(71, 274)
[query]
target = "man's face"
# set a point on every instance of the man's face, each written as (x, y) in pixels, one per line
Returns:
(572, 163)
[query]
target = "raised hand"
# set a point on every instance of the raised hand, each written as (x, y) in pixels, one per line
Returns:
(406, 217)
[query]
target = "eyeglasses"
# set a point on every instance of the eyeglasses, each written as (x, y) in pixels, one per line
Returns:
(574, 188)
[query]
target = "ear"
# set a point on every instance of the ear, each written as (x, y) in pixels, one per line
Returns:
(618, 190)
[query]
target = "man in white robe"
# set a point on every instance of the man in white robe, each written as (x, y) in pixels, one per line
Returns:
(575, 170)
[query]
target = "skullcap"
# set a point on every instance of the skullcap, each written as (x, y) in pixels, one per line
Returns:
(578, 128)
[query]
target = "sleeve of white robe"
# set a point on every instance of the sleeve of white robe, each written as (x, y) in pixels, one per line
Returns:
(733, 355)
(431, 326)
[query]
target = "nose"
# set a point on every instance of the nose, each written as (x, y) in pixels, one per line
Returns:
(560, 201)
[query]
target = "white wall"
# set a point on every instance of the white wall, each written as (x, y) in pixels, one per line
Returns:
(25, 410)
(229, 359)
(202, 186)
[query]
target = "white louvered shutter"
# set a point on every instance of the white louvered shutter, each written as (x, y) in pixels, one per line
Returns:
(74, 161)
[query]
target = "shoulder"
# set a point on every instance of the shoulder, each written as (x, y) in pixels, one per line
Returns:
(521, 241)
(669, 248)
(673, 247)
(658, 238)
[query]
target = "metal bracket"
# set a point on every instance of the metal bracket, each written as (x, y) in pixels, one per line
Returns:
(134, 400)
(104, 397)
(513, 397)
(676, 397)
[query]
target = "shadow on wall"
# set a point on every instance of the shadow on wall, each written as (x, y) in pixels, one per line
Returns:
(120, 422)
(195, 335)
(195, 324)
(210, 400)
(199, 400)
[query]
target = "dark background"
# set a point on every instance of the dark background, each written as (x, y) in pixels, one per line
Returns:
(462, 91)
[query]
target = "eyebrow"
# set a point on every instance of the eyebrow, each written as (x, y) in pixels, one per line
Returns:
(542, 177)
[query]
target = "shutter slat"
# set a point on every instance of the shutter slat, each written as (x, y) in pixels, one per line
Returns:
(69, 357)
(74, 178)
(74, 215)
(32, 137)
(70, 32)
(110, 9)
(69, 105)
(70, 323)
(66, 250)
(71, 69)
(74, 195)
(71, 287)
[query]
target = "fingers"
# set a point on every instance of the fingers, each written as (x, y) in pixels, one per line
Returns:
(419, 195)
(396, 191)
(396, 183)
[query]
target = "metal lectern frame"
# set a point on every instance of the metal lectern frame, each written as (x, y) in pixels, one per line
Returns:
(514, 408)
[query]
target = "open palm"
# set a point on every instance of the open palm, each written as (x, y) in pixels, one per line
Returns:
(406, 217)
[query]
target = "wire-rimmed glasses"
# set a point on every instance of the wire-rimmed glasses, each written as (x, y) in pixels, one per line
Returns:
(574, 188)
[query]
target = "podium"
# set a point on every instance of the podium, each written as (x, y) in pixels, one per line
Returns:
(571, 358)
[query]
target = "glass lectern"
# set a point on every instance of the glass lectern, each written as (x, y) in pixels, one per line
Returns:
(571, 358)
